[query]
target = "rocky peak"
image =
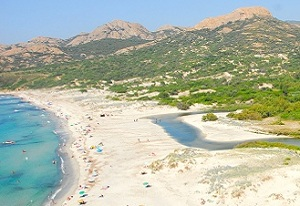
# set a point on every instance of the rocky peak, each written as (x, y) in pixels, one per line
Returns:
(167, 30)
(117, 29)
(239, 14)
(42, 39)
(169, 27)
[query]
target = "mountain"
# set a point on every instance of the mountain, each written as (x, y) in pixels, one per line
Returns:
(115, 30)
(168, 30)
(237, 15)
(36, 52)
(104, 40)
(249, 29)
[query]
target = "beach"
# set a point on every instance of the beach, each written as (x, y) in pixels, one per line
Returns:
(119, 157)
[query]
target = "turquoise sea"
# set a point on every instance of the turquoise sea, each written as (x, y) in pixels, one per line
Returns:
(30, 168)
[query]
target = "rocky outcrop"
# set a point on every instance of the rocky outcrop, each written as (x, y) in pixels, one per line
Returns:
(76, 40)
(38, 51)
(115, 30)
(41, 45)
(239, 14)
(167, 30)
(31, 50)
(46, 40)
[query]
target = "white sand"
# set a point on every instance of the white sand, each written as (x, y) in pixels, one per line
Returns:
(179, 176)
(226, 129)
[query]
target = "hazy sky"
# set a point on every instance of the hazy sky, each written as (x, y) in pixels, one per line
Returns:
(22, 20)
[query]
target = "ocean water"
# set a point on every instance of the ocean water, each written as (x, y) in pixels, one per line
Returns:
(28, 175)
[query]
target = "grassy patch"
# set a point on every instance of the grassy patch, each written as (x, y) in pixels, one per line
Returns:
(287, 132)
(287, 161)
(277, 122)
(263, 144)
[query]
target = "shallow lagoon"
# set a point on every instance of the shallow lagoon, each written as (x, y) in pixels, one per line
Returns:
(191, 136)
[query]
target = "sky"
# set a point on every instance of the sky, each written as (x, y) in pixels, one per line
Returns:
(22, 20)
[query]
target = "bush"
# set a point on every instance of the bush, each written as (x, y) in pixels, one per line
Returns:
(277, 122)
(245, 115)
(183, 106)
(163, 95)
(119, 88)
(83, 90)
(209, 117)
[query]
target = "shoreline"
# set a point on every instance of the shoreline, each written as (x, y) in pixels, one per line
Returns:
(62, 151)
(77, 128)
(136, 151)
(67, 185)
(68, 166)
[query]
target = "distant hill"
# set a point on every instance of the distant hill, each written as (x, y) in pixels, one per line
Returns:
(117, 29)
(104, 40)
(237, 15)
(36, 52)
(296, 23)
(248, 42)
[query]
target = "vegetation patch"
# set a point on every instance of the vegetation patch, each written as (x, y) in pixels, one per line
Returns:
(277, 122)
(264, 144)
(183, 106)
(286, 161)
(180, 159)
(209, 117)
(245, 115)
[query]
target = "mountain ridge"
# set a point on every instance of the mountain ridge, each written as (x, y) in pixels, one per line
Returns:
(117, 29)
(112, 38)
(236, 15)
(247, 12)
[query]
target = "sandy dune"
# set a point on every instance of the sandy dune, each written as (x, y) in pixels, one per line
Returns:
(141, 165)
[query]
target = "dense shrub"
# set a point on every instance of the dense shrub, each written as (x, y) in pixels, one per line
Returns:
(245, 115)
(83, 90)
(209, 117)
(163, 95)
(183, 106)
(119, 88)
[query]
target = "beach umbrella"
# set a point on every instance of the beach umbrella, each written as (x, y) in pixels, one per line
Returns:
(91, 180)
(145, 183)
(81, 192)
(99, 149)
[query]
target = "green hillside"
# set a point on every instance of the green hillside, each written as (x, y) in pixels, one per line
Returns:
(252, 63)
(101, 47)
